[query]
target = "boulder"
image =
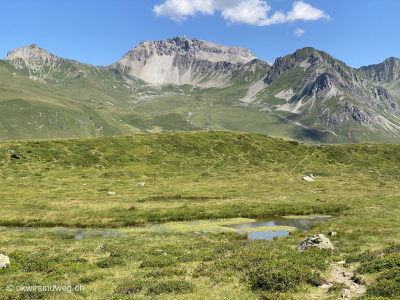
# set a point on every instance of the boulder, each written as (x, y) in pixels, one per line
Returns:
(4, 261)
(318, 240)
(307, 178)
(100, 247)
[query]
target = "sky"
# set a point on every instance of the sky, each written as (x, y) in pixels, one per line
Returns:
(100, 32)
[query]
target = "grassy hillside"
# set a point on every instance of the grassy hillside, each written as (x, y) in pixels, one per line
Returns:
(194, 176)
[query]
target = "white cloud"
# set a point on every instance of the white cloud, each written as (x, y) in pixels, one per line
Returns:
(253, 12)
(247, 12)
(298, 32)
(179, 10)
(304, 11)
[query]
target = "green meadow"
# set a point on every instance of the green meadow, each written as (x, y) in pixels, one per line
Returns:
(168, 239)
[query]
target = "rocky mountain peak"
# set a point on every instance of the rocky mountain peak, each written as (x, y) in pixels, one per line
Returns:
(38, 61)
(384, 72)
(184, 60)
(194, 48)
(28, 52)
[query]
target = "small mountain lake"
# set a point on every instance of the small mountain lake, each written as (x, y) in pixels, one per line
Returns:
(266, 228)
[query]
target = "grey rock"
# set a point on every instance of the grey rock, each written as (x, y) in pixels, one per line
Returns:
(318, 240)
(307, 178)
(100, 247)
(140, 184)
(4, 261)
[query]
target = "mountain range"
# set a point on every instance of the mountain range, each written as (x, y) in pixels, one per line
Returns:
(184, 84)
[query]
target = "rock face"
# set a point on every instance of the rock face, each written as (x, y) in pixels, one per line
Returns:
(318, 240)
(183, 61)
(387, 71)
(326, 92)
(35, 60)
(4, 261)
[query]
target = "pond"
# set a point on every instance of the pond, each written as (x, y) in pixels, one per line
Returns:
(268, 228)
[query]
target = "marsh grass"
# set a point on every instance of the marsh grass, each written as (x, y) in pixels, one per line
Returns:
(191, 179)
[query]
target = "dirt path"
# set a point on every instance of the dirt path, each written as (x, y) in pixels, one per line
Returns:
(341, 275)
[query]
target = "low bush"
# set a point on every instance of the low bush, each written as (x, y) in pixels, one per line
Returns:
(159, 262)
(171, 286)
(129, 287)
(167, 272)
(110, 261)
(91, 278)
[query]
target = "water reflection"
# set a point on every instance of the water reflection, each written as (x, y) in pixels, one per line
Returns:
(267, 235)
(303, 224)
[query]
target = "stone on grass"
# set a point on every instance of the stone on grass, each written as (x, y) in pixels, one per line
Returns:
(111, 193)
(307, 178)
(140, 184)
(318, 240)
(332, 233)
(100, 247)
(4, 261)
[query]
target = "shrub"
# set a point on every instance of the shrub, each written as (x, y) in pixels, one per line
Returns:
(387, 285)
(171, 286)
(109, 262)
(129, 287)
(378, 264)
(166, 272)
(91, 278)
(159, 262)
(282, 277)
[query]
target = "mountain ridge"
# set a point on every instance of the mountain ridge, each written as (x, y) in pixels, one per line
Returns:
(183, 61)
(305, 95)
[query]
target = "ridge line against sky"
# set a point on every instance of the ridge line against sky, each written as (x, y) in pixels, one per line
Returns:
(101, 32)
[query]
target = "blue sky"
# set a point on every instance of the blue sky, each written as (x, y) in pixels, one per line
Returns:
(100, 32)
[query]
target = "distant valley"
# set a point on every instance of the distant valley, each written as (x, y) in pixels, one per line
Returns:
(186, 84)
